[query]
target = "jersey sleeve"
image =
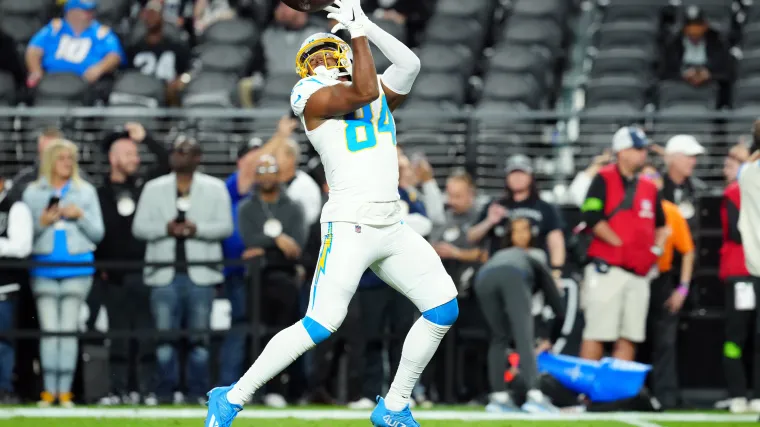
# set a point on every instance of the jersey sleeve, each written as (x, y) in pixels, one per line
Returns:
(304, 89)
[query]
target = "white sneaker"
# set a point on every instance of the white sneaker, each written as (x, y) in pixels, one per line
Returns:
(738, 405)
(754, 405)
(274, 400)
(150, 400)
(537, 403)
(361, 404)
(179, 398)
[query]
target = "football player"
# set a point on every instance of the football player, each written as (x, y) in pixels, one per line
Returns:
(345, 108)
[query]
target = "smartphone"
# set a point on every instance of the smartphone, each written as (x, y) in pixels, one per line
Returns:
(53, 201)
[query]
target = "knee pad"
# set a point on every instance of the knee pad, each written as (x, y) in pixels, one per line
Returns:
(443, 315)
(731, 350)
(317, 332)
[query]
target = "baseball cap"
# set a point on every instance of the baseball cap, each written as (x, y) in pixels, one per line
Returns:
(684, 144)
(79, 4)
(248, 146)
(694, 15)
(154, 5)
(519, 162)
(629, 137)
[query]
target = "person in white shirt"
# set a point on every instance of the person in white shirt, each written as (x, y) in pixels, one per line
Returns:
(15, 243)
(749, 211)
(300, 187)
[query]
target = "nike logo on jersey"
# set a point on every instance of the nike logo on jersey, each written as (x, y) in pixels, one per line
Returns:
(297, 99)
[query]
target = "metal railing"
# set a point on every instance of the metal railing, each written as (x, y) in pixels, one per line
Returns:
(561, 143)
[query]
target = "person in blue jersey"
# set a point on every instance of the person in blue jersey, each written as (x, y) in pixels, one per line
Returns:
(381, 305)
(68, 225)
(76, 43)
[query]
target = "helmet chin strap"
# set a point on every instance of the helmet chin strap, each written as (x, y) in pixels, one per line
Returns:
(331, 73)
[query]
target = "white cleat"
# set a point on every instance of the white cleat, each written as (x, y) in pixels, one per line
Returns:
(274, 400)
(361, 404)
(738, 405)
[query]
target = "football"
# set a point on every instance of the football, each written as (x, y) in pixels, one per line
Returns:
(308, 5)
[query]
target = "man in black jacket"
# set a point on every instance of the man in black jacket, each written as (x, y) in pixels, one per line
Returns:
(125, 296)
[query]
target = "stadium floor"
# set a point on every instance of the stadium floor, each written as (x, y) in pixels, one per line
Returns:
(91, 417)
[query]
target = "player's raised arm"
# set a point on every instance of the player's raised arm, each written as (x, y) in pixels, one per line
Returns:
(398, 79)
(343, 99)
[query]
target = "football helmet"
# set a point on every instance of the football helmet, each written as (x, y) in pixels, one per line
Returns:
(328, 45)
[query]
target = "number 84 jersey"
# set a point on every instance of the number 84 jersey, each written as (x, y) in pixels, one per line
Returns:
(358, 152)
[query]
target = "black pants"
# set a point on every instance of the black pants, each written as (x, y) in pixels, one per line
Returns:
(132, 360)
(383, 311)
(739, 326)
(347, 340)
(279, 310)
(663, 332)
(506, 302)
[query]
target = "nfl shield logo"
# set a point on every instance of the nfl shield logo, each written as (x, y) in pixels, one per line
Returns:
(358, 228)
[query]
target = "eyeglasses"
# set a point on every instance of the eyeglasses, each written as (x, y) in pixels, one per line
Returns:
(262, 170)
(653, 175)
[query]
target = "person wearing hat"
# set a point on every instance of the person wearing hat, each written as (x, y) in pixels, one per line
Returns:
(75, 44)
(182, 217)
(16, 236)
(521, 200)
(118, 197)
(625, 217)
(680, 186)
(160, 52)
(239, 186)
(697, 54)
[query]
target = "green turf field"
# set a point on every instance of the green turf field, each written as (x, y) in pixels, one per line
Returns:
(337, 417)
(86, 422)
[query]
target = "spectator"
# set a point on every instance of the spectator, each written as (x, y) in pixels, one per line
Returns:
(505, 286)
(666, 300)
(625, 215)
(177, 11)
(737, 155)
(16, 225)
(239, 186)
(207, 12)
(521, 200)
(75, 44)
(698, 55)
(272, 223)
(416, 177)
(118, 199)
(288, 28)
(31, 173)
(67, 227)
(741, 318)
(300, 187)
(158, 54)
(680, 186)
(450, 238)
(180, 218)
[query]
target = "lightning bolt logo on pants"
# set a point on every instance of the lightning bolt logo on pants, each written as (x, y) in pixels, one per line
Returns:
(322, 263)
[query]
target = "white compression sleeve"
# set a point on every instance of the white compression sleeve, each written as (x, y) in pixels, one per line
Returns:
(400, 76)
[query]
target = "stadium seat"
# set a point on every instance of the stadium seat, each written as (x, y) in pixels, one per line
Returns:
(741, 121)
(236, 31)
(623, 61)
(628, 90)
(280, 47)
(210, 89)
(746, 92)
(511, 87)
(229, 59)
(494, 117)
(749, 64)
(633, 10)
(681, 93)
(553, 10)
(534, 32)
(381, 61)
(480, 10)
(21, 19)
(606, 118)
(279, 86)
(60, 89)
(394, 29)
(438, 58)
(439, 87)
(627, 34)
(451, 31)
(518, 59)
(751, 36)
(7, 89)
(111, 12)
(134, 88)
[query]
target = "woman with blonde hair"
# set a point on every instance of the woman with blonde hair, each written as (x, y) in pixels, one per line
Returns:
(67, 226)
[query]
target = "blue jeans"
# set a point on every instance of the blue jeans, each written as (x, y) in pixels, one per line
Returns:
(233, 348)
(7, 350)
(179, 303)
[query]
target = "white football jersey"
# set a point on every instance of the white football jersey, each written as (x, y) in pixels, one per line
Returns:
(358, 152)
